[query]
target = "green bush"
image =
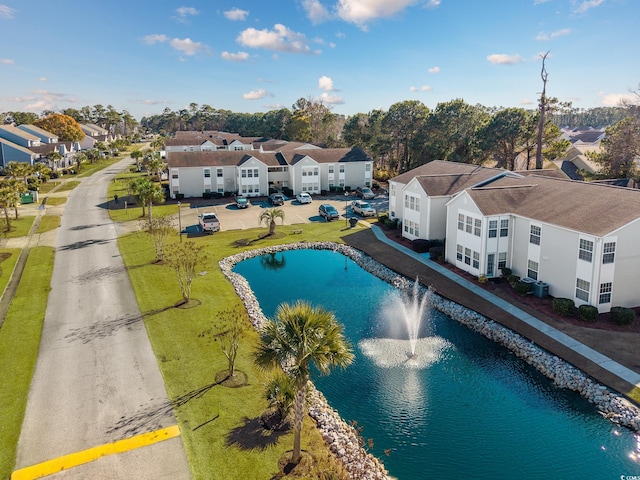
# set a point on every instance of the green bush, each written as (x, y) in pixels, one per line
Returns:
(563, 306)
(588, 313)
(506, 272)
(523, 288)
(420, 245)
(513, 280)
(622, 315)
(206, 195)
(436, 253)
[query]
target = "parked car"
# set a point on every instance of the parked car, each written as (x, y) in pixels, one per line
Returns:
(276, 199)
(303, 197)
(209, 222)
(363, 208)
(242, 201)
(328, 212)
(365, 193)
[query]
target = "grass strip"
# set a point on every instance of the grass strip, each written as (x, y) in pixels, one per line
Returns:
(19, 226)
(19, 343)
(220, 426)
(8, 259)
(49, 222)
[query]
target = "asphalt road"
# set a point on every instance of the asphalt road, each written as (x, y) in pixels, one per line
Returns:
(96, 379)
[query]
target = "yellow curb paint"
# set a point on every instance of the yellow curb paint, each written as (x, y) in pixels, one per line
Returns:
(74, 459)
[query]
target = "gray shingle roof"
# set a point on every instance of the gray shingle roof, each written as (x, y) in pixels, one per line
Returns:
(591, 208)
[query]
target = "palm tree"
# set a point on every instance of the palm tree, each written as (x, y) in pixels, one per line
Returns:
(155, 165)
(137, 155)
(146, 192)
(269, 216)
(10, 191)
(19, 170)
(298, 337)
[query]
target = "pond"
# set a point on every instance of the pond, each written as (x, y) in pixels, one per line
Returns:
(468, 409)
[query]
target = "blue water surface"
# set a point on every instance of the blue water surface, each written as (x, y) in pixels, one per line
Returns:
(478, 412)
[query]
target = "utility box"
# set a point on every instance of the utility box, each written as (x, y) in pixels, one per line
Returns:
(541, 289)
(28, 197)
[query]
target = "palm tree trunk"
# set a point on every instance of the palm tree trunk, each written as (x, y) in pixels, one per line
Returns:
(6, 217)
(299, 410)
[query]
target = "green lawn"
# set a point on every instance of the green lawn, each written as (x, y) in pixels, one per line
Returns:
(190, 357)
(49, 222)
(19, 343)
(8, 259)
(69, 185)
(53, 201)
(19, 227)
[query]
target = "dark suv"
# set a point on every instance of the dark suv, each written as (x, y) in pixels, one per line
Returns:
(328, 212)
(276, 199)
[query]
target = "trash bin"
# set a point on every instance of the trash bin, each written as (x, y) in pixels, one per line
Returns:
(353, 221)
(541, 289)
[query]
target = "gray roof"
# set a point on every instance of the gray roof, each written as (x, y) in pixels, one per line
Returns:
(591, 208)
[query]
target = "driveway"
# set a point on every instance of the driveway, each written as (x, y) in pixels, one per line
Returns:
(96, 379)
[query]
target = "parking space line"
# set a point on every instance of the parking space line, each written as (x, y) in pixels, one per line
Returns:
(71, 460)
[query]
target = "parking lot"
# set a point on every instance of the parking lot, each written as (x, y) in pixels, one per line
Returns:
(234, 218)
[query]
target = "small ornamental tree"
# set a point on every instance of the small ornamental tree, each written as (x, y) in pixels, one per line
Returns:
(230, 339)
(185, 258)
(159, 229)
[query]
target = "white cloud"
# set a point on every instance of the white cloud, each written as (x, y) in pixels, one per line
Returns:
(581, 7)
(274, 106)
(187, 46)
(526, 101)
(617, 99)
(435, 69)
(316, 12)
(184, 13)
(331, 99)
(43, 79)
(156, 102)
(7, 61)
(504, 59)
(236, 14)
(256, 94)
(538, 2)
(325, 83)
(235, 57)
(433, 3)
(7, 12)
(558, 33)
(280, 39)
(424, 88)
(154, 38)
(362, 12)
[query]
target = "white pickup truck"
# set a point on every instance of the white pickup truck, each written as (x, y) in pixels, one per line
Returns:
(209, 222)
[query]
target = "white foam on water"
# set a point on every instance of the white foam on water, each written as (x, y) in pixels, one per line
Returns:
(391, 353)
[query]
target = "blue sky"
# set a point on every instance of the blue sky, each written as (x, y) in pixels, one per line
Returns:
(354, 55)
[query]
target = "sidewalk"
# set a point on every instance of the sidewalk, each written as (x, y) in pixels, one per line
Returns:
(453, 287)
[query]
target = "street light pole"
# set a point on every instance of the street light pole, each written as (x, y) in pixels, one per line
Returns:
(346, 208)
(179, 222)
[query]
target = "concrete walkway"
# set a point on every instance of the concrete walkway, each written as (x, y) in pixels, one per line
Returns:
(603, 361)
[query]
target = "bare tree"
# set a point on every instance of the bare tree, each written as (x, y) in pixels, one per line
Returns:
(543, 108)
(185, 258)
(230, 339)
(159, 229)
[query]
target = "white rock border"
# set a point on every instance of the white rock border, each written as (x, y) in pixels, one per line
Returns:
(343, 439)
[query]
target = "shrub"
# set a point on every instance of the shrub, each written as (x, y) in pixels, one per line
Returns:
(563, 306)
(482, 279)
(420, 245)
(179, 196)
(588, 313)
(206, 195)
(523, 288)
(506, 272)
(391, 223)
(436, 253)
(382, 216)
(513, 280)
(622, 315)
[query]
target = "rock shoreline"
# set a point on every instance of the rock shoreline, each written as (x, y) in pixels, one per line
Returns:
(343, 439)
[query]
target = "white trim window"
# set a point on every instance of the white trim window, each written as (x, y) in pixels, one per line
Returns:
(460, 221)
(534, 234)
(469, 225)
(532, 269)
(582, 289)
(585, 251)
(504, 227)
(502, 260)
(605, 292)
(493, 228)
(609, 252)
(459, 250)
(477, 227)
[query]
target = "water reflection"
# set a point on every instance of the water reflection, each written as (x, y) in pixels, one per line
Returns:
(273, 261)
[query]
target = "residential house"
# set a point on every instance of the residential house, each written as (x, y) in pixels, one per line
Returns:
(299, 167)
(45, 137)
(207, 141)
(580, 238)
(12, 152)
(18, 136)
